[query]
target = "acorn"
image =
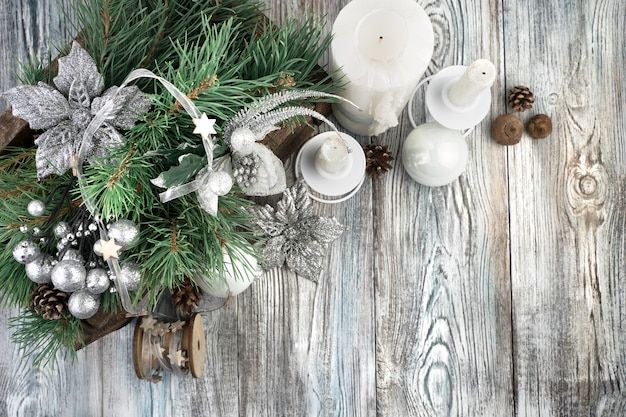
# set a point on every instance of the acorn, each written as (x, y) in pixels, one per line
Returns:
(507, 129)
(539, 126)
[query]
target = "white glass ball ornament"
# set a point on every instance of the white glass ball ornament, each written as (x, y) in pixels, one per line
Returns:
(130, 275)
(434, 155)
(68, 275)
(236, 276)
(97, 281)
(82, 304)
(124, 232)
(26, 251)
(241, 140)
(36, 208)
(40, 270)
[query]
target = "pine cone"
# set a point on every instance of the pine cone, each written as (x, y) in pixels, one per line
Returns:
(521, 98)
(376, 160)
(49, 302)
(186, 298)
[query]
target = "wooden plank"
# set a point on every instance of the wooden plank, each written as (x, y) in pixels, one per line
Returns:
(441, 265)
(306, 348)
(567, 205)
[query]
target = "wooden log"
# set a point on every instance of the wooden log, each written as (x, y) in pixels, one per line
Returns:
(14, 131)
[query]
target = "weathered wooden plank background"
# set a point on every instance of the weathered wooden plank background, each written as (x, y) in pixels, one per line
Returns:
(502, 294)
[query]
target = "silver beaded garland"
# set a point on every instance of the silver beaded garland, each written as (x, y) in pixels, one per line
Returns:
(97, 281)
(130, 275)
(61, 229)
(36, 208)
(83, 304)
(68, 275)
(26, 251)
(40, 270)
(124, 232)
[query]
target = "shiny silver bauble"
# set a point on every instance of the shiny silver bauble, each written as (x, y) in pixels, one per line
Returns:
(97, 281)
(40, 270)
(130, 275)
(68, 275)
(26, 251)
(124, 232)
(36, 208)
(83, 304)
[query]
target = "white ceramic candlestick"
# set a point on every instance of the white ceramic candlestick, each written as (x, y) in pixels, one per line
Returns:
(332, 157)
(382, 50)
(459, 97)
(478, 77)
(333, 166)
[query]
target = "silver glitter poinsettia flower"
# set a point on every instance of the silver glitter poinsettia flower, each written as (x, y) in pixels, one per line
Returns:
(294, 234)
(66, 112)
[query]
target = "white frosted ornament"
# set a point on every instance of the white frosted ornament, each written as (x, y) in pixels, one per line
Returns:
(130, 275)
(40, 270)
(68, 275)
(97, 281)
(82, 304)
(36, 208)
(241, 140)
(124, 232)
(26, 251)
(434, 155)
(220, 182)
(247, 270)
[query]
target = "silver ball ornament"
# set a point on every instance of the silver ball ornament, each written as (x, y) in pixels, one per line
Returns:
(73, 255)
(220, 182)
(83, 304)
(124, 232)
(40, 270)
(36, 208)
(68, 275)
(97, 281)
(241, 140)
(61, 229)
(130, 275)
(26, 251)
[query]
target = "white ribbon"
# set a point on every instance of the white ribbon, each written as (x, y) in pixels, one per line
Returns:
(86, 144)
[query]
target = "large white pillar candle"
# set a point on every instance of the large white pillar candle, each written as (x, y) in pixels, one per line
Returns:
(479, 76)
(381, 49)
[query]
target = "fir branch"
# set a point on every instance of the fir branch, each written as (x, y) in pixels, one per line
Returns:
(45, 339)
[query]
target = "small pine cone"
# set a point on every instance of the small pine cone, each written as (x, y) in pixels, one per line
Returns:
(521, 98)
(186, 298)
(49, 302)
(377, 159)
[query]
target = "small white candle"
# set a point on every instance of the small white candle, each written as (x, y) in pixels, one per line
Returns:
(382, 50)
(332, 156)
(478, 77)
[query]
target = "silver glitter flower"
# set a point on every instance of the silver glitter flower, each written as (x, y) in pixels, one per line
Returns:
(294, 234)
(65, 113)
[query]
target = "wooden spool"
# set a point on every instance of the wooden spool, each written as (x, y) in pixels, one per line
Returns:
(192, 344)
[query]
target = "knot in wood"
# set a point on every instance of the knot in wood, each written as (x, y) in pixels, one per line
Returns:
(587, 187)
